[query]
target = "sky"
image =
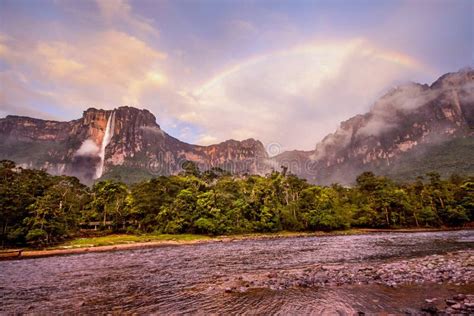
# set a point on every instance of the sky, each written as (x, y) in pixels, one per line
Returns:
(284, 72)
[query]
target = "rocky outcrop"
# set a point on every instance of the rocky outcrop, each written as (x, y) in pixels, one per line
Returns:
(132, 142)
(407, 119)
(451, 268)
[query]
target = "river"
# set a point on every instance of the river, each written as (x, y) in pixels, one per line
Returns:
(194, 278)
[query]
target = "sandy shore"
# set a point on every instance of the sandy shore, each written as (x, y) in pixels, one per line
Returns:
(80, 250)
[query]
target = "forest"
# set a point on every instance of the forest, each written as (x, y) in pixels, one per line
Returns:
(39, 209)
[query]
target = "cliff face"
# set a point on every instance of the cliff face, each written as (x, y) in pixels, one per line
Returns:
(409, 131)
(125, 139)
(409, 119)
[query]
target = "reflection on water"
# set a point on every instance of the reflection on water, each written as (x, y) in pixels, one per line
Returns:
(181, 279)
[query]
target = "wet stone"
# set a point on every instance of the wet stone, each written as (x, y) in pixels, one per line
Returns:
(456, 306)
(450, 302)
(460, 297)
(430, 309)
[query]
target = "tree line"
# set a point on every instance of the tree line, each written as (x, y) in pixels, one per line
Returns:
(38, 209)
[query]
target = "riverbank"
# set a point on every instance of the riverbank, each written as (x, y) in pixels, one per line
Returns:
(196, 279)
(118, 242)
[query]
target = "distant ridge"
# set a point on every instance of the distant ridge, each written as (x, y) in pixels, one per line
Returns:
(412, 129)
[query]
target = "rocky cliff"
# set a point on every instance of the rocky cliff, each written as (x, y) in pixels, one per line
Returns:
(410, 123)
(411, 130)
(125, 142)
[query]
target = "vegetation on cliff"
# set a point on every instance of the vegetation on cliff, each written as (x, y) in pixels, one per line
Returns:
(39, 209)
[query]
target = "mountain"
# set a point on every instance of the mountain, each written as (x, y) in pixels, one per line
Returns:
(124, 143)
(411, 130)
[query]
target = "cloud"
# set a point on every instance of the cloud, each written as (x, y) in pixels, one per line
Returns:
(296, 96)
(293, 97)
(107, 69)
(153, 130)
(339, 139)
(405, 98)
(375, 126)
(120, 12)
(17, 97)
(88, 148)
(207, 139)
(385, 114)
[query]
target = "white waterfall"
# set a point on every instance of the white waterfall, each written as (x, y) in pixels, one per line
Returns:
(109, 132)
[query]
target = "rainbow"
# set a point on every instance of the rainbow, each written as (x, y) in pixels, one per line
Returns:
(342, 48)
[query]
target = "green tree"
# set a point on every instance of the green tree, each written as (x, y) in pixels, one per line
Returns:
(55, 215)
(110, 202)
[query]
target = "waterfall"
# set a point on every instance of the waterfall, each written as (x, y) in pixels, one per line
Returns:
(109, 132)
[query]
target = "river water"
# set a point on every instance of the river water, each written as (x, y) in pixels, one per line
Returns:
(189, 278)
